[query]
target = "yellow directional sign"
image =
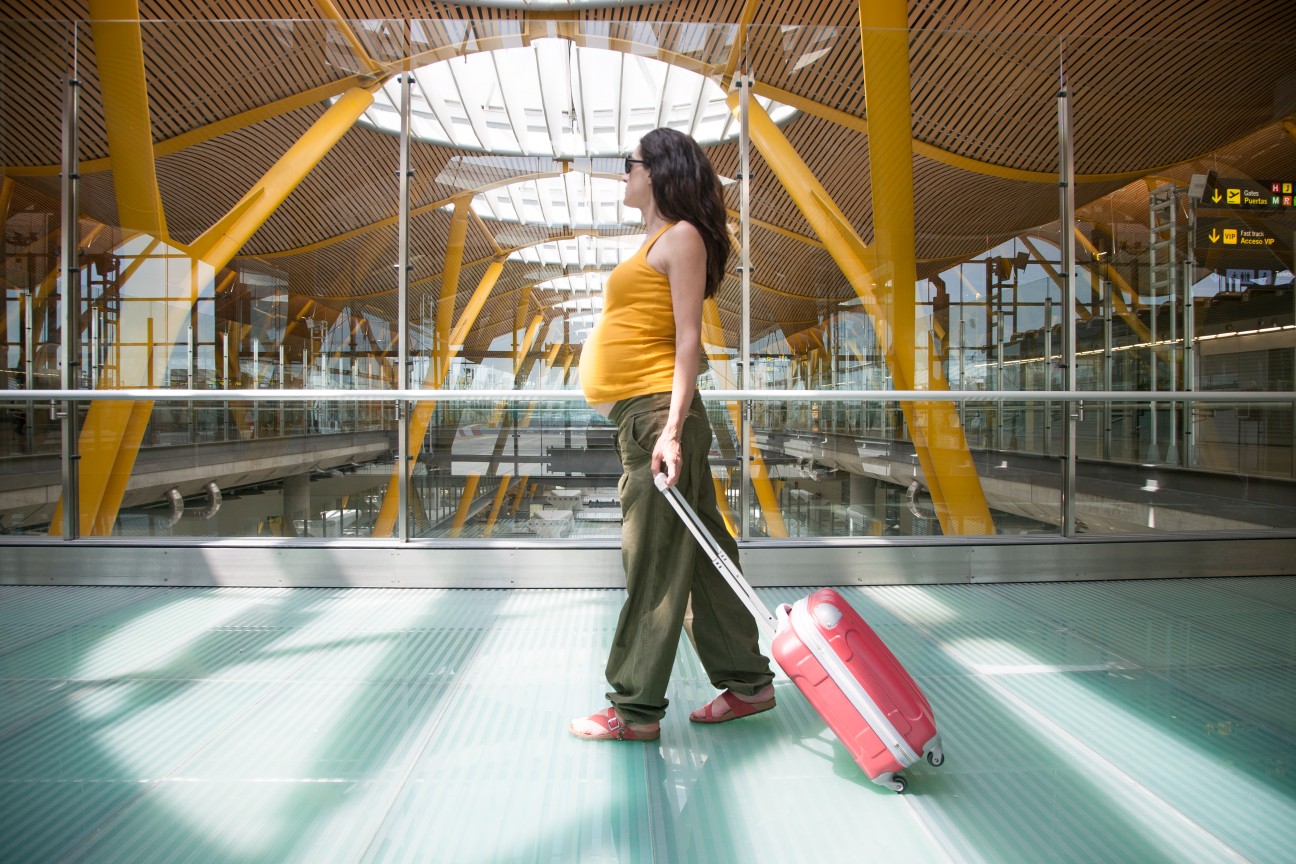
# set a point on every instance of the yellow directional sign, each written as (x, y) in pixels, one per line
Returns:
(1228, 192)
(1241, 236)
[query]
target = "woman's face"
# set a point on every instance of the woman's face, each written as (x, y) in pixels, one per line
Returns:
(638, 191)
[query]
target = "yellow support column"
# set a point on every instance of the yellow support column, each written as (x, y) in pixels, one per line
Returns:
(110, 437)
(114, 488)
(113, 431)
(735, 53)
(222, 241)
(1082, 313)
(934, 426)
(98, 446)
(495, 507)
(119, 45)
(518, 495)
(421, 416)
(6, 196)
(474, 306)
(757, 471)
(344, 27)
(884, 48)
(1128, 315)
(465, 504)
(450, 285)
(123, 463)
(528, 340)
(722, 502)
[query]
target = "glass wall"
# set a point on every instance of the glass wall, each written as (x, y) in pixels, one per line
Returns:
(334, 279)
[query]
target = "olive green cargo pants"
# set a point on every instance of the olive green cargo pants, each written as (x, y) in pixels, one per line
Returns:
(668, 577)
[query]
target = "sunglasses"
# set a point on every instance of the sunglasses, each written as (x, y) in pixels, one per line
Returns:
(630, 163)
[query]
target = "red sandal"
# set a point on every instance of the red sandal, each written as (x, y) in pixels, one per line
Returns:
(734, 708)
(607, 726)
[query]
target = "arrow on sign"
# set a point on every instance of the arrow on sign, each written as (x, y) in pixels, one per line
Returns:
(1216, 197)
(1214, 236)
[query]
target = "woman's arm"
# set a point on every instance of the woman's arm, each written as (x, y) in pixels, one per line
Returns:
(681, 255)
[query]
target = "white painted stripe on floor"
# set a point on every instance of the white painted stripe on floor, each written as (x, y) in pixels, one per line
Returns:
(1038, 668)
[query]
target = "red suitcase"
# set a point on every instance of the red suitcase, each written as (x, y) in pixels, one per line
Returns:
(857, 685)
(849, 675)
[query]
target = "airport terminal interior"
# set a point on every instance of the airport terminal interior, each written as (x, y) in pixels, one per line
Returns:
(309, 541)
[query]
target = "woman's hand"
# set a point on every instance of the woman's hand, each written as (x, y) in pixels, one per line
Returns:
(667, 457)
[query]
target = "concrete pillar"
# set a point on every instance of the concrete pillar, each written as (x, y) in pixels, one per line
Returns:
(296, 503)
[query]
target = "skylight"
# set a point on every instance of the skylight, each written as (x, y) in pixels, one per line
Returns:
(557, 99)
(574, 199)
(580, 253)
(577, 270)
(585, 289)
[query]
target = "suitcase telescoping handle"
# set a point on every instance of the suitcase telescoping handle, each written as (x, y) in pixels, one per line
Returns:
(722, 562)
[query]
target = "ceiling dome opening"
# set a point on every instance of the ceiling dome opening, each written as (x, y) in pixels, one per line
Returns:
(554, 98)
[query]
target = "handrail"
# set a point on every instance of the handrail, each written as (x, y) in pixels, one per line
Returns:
(180, 395)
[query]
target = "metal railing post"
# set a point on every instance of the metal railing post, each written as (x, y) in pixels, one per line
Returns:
(70, 344)
(403, 456)
(1066, 195)
(744, 349)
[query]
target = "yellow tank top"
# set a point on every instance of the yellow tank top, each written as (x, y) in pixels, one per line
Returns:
(631, 351)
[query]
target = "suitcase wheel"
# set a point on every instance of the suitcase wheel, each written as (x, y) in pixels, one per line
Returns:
(935, 758)
(898, 783)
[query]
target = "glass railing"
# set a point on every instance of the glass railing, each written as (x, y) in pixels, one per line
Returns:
(310, 266)
(496, 466)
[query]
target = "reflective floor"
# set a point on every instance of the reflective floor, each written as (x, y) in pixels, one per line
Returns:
(1102, 722)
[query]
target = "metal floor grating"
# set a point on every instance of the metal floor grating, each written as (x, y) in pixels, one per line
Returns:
(1096, 722)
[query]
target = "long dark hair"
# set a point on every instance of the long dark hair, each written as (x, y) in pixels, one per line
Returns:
(686, 189)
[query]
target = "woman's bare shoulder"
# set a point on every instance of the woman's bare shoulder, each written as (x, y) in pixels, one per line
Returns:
(683, 238)
(681, 243)
(681, 230)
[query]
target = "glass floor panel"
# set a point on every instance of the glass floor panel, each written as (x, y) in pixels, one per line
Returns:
(1088, 722)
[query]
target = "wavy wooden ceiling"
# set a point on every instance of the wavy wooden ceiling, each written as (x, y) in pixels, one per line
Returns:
(1160, 87)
